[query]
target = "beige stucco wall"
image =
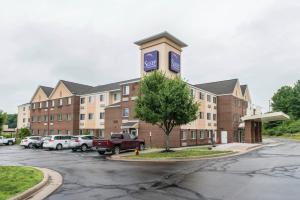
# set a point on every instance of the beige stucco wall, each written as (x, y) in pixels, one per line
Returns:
(23, 114)
(60, 91)
(39, 96)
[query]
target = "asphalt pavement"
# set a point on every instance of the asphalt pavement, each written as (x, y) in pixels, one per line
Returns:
(272, 172)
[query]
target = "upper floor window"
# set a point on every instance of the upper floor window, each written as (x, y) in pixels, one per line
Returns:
(192, 93)
(41, 105)
(215, 99)
(116, 97)
(91, 116)
(209, 116)
(82, 116)
(201, 115)
(125, 112)
(68, 117)
(53, 103)
(59, 117)
(101, 97)
(82, 100)
(90, 99)
(46, 104)
(214, 117)
(51, 117)
(102, 115)
(208, 98)
(201, 95)
(23, 108)
(60, 102)
(69, 100)
(33, 105)
(126, 90)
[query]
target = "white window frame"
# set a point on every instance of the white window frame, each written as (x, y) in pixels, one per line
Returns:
(126, 90)
(193, 135)
(123, 112)
(69, 101)
(60, 102)
(103, 115)
(102, 97)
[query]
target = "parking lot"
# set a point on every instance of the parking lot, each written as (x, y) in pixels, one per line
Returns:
(269, 173)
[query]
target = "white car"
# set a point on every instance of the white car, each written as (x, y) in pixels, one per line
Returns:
(57, 142)
(32, 142)
(82, 142)
(7, 141)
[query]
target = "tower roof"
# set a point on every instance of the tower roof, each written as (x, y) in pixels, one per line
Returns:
(164, 34)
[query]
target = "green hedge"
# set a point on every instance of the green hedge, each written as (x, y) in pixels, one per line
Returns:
(291, 126)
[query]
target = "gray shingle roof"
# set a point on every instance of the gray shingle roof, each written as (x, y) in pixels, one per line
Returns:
(243, 88)
(47, 90)
(76, 88)
(110, 86)
(219, 87)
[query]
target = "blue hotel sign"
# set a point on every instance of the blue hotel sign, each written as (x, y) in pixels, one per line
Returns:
(150, 61)
(174, 62)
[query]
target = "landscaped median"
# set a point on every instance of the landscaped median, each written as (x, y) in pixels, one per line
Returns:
(177, 154)
(17, 179)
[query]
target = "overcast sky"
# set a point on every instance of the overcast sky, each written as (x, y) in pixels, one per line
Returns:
(91, 42)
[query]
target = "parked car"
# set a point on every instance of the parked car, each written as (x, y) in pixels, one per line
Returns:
(118, 143)
(32, 142)
(57, 142)
(7, 141)
(82, 142)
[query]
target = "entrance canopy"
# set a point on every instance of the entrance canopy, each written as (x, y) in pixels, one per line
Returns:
(267, 117)
(130, 125)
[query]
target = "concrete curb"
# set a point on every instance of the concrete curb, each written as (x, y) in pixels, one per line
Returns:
(120, 158)
(51, 182)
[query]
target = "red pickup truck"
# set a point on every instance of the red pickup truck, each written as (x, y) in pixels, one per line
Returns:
(118, 143)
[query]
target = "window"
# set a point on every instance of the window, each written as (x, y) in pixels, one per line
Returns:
(192, 93)
(82, 116)
(208, 98)
(91, 115)
(193, 135)
(68, 132)
(39, 119)
(45, 118)
(126, 90)
(116, 97)
(46, 104)
(214, 117)
(102, 115)
(51, 117)
(69, 100)
(51, 132)
(82, 100)
(24, 120)
(183, 135)
(60, 102)
(209, 116)
(90, 99)
(23, 108)
(201, 95)
(53, 103)
(33, 105)
(41, 105)
(101, 134)
(59, 117)
(215, 99)
(201, 115)
(59, 132)
(202, 134)
(125, 112)
(68, 117)
(101, 97)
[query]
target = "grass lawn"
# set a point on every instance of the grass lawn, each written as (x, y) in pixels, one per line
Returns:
(295, 136)
(17, 179)
(185, 153)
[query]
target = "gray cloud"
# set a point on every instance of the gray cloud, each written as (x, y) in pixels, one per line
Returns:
(92, 43)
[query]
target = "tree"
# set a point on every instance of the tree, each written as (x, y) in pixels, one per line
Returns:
(282, 99)
(24, 132)
(12, 120)
(1, 120)
(165, 102)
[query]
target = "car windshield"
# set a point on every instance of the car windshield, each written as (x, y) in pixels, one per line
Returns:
(74, 138)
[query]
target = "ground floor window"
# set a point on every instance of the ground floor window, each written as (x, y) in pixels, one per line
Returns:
(193, 135)
(101, 134)
(183, 135)
(202, 134)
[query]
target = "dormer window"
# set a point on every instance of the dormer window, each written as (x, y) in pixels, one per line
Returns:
(126, 90)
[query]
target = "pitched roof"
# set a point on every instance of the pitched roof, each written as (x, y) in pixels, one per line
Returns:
(161, 35)
(47, 90)
(76, 88)
(108, 87)
(219, 87)
(243, 88)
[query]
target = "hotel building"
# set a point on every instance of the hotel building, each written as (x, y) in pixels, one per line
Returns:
(73, 108)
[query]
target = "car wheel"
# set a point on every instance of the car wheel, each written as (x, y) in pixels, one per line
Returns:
(30, 146)
(116, 150)
(142, 147)
(10, 143)
(101, 152)
(83, 147)
(59, 147)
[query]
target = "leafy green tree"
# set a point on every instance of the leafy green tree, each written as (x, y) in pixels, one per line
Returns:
(165, 102)
(1, 120)
(295, 101)
(282, 99)
(24, 132)
(12, 120)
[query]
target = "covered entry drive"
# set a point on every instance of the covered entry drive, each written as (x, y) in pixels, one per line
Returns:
(253, 125)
